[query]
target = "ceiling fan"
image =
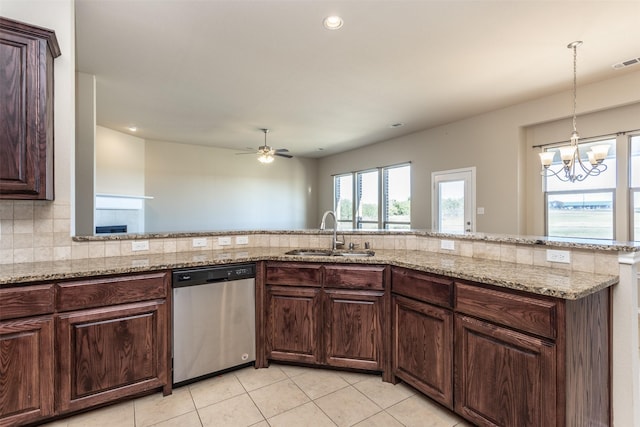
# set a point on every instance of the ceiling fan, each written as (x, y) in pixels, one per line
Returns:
(266, 154)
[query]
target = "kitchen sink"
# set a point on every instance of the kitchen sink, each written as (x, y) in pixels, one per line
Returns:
(327, 252)
(310, 252)
(366, 253)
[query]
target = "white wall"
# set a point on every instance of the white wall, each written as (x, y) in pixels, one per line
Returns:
(196, 188)
(119, 163)
(495, 143)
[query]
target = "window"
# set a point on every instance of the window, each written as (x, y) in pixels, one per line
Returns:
(634, 185)
(583, 208)
(397, 197)
(367, 194)
(343, 201)
(382, 198)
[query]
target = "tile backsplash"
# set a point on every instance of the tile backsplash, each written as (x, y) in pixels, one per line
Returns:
(32, 231)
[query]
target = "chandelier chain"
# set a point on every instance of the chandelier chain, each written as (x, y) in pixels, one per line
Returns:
(575, 80)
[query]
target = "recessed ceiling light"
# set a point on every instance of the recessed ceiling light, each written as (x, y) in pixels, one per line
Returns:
(396, 125)
(132, 128)
(332, 22)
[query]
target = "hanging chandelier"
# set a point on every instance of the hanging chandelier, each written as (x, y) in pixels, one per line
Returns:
(573, 168)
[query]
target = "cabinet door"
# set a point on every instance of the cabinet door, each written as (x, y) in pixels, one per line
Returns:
(26, 370)
(353, 329)
(293, 324)
(423, 348)
(26, 111)
(111, 352)
(503, 377)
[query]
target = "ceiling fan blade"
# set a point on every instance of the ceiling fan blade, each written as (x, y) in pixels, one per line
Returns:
(288, 156)
(282, 150)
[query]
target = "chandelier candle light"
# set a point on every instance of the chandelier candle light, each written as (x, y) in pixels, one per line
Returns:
(570, 154)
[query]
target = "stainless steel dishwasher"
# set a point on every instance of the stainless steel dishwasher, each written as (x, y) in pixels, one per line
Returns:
(213, 320)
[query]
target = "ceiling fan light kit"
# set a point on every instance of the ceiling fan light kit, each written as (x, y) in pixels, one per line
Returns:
(266, 154)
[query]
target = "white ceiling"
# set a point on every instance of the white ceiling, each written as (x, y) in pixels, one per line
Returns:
(213, 72)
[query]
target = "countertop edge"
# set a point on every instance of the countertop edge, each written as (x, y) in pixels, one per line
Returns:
(496, 273)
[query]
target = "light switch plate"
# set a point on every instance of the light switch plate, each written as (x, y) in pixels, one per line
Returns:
(200, 242)
(224, 241)
(242, 240)
(449, 245)
(554, 255)
(139, 245)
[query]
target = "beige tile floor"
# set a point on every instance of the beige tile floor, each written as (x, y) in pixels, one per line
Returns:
(280, 396)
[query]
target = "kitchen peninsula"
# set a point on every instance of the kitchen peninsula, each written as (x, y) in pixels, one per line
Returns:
(488, 288)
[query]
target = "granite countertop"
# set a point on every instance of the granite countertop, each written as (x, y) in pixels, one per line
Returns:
(558, 283)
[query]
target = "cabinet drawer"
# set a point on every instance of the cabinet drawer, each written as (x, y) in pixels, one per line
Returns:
(293, 274)
(26, 301)
(110, 291)
(354, 277)
(422, 286)
(526, 313)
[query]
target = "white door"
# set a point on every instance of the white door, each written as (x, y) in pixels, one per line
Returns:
(453, 201)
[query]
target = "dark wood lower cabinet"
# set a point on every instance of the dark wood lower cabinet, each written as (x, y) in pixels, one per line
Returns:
(423, 347)
(111, 352)
(26, 370)
(504, 377)
(353, 329)
(325, 315)
(293, 324)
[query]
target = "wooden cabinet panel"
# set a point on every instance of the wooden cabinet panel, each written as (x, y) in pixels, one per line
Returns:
(536, 315)
(26, 370)
(294, 274)
(26, 301)
(503, 377)
(353, 329)
(111, 352)
(423, 348)
(83, 294)
(293, 324)
(425, 287)
(325, 314)
(354, 277)
(26, 111)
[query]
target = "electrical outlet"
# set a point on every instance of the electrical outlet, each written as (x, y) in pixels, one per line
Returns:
(224, 241)
(200, 242)
(449, 245)
(563, 257)
(242, 240)
(140, 245)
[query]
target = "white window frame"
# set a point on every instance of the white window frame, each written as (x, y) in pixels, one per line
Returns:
(612, 190)
(382, 221)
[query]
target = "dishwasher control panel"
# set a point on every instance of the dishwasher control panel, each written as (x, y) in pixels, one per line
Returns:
(202, 275)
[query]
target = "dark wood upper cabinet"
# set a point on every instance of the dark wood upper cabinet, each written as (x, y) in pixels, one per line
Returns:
(26, 110)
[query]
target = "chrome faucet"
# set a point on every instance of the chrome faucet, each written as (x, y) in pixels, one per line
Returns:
(334, 242)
